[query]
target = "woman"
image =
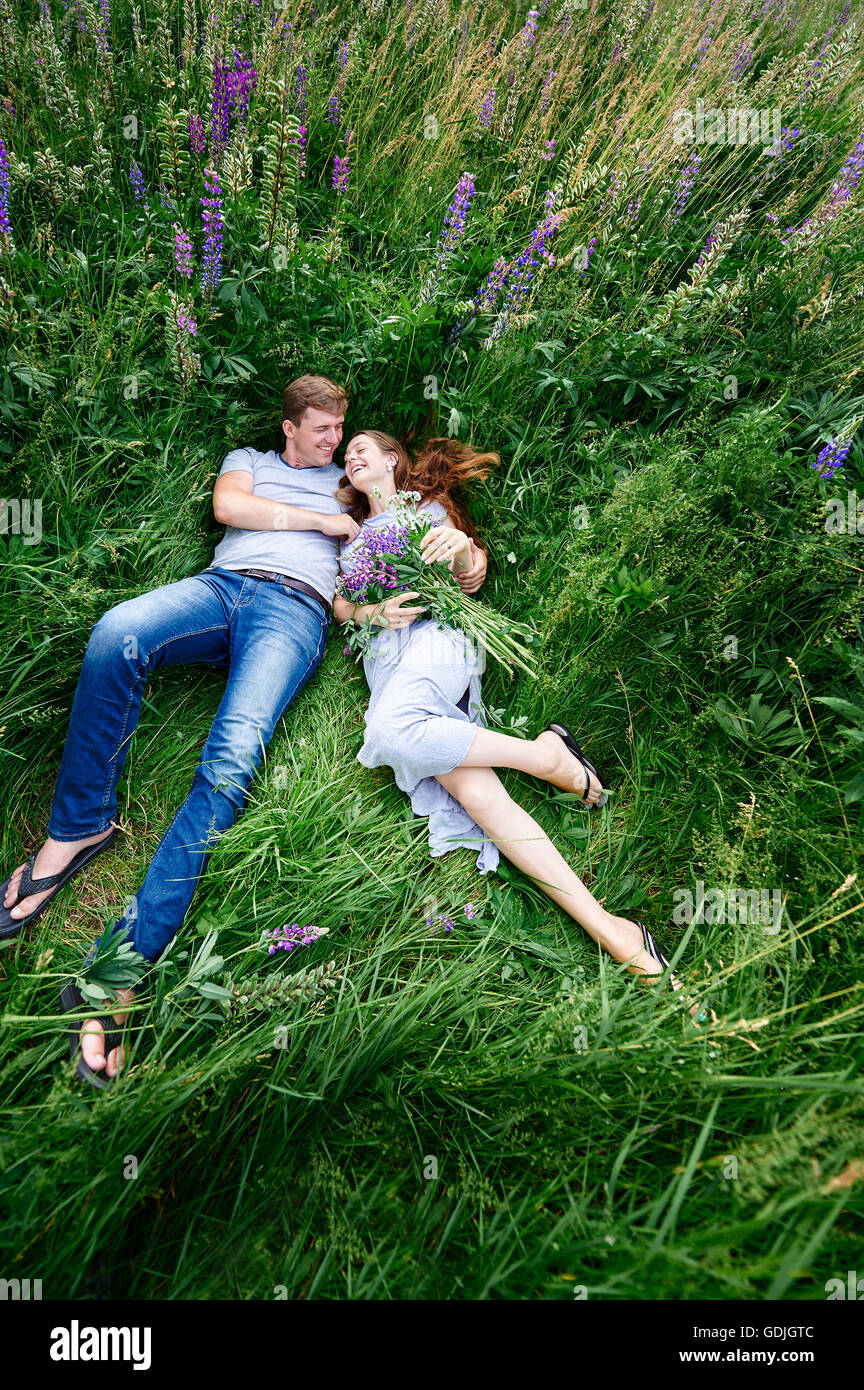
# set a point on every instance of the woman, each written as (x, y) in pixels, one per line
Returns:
(425, 717)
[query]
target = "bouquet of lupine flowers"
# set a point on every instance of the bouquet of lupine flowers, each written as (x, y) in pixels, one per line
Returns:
(388, 560)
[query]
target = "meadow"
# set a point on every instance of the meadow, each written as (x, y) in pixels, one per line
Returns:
(537, 230)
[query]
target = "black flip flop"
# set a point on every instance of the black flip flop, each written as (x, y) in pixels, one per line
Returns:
(657, 954)
(565, 735)
(71, 999)
(28, 885)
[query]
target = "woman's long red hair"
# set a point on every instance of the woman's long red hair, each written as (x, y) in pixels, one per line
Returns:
(440, 468)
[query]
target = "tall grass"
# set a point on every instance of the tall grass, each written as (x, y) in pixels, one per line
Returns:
(499, 1111)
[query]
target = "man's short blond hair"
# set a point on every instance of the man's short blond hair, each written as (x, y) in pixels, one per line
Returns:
(317, 391)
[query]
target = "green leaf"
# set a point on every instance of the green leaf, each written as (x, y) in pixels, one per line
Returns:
(211, 991)
(844, 707)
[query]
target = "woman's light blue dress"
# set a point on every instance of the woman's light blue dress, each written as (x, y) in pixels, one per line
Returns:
(425, 706)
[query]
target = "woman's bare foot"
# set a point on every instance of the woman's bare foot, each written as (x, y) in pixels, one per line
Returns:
(565, 770)
(53, 858)
(93, 1040)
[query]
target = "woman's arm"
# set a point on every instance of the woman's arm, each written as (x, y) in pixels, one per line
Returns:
(388, 613)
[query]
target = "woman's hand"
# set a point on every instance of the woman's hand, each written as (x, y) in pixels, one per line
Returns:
(447, 543)
(393, 612)
(469, 581)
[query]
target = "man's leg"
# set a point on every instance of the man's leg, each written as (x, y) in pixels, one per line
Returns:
(277, 641)
(183, 622)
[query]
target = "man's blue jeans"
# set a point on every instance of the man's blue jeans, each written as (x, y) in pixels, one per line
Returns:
(272, 638)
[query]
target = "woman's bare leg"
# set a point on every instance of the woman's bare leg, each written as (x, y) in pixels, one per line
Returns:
(526, 844)
(546, 757)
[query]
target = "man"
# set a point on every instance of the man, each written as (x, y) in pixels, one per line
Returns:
(262, 607)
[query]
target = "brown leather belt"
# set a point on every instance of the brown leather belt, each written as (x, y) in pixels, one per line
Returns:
(291, 584)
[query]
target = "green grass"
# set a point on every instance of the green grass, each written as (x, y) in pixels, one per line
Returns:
(499, 1112)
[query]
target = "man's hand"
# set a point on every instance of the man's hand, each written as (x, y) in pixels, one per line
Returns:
(469, 581)
(235, 504)
(341, 525)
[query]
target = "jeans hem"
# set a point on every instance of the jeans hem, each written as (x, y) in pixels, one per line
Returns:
(79, 835)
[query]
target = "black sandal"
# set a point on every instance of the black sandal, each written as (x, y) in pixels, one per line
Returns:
(567, 738)
(655, 953)
(28, 885)
(71, 999)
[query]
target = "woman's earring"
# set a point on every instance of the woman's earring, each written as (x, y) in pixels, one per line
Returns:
(389, 468)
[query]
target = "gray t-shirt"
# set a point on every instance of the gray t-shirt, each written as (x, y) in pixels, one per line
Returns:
(307, 555)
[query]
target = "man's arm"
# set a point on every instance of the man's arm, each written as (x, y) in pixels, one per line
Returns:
(234, 504)
(470, 580)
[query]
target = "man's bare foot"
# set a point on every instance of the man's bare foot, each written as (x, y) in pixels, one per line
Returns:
(565, 770)
(93, 1040)
(53, 858)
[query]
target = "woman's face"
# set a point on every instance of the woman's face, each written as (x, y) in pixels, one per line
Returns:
(367, 466)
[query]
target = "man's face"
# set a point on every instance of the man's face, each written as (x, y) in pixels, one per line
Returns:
(316, 438)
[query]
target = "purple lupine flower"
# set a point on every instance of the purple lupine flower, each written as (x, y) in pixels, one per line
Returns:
(166, 201)
(470, 911)
(5, 224)
(182, 252)
(302, 88)
(220, 109)
(79, 10)
(781, 147)
(589, 252)
(411, 26)
(850, 173)
(528, 33)
(535, 251)
(137, 180)
(454, 226)
(136, 25)
(702, 50)
(548, 151)
(185, 319)
(483, 300)
(196, 134)
(340, 173)
(615, 184)
(300, 144)
(712, 241)
(743, 59)
(446, 922)
(7, 106)
(371, 564)
(826, 44)
(211, 217)
(103, 29)
(348, 137)
(333, 114)
(832, 457)
(631, 216)
(241, 82)
(546, 92)
(285, 938)
(342, 56)
(684, 187)
(487, 110)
